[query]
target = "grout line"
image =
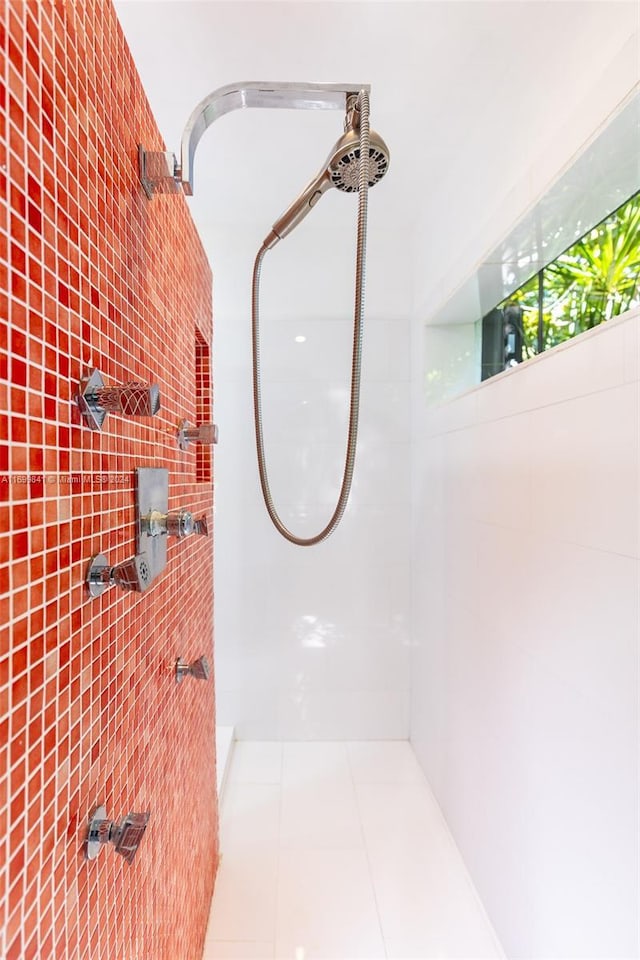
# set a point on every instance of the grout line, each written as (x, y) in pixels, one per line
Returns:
(276, 901)
(366, 851)
(462, 865)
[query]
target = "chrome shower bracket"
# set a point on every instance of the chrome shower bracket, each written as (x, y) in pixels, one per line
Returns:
(152, 496)
(160, 172)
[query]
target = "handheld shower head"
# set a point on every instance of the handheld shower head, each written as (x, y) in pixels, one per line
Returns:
(353, 166)
(340, 170)
(343, 163)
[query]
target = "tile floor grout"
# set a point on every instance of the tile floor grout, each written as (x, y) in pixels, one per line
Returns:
(278, 892)
(366, 850)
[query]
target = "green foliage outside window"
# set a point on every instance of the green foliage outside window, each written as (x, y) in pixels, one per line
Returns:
(594, 280)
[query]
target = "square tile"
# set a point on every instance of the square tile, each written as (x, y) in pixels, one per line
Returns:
(256, 762)
(244, 901)
(326, 907)
(384, 761)
(428, 906)
(317, 763)
(319, 815)
(250, 816)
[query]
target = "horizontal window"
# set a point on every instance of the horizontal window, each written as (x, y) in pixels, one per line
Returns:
(595, 279)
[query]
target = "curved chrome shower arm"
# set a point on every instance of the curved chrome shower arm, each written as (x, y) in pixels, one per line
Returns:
(257, 93)
(159, 172)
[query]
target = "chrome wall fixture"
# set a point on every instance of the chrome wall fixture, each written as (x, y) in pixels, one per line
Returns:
(155, 522)
(95, 400)
(132, 574)
(160, 172)
(124, 834)
(152, 496)
(206, 433)
(178, 523)
(199, 669)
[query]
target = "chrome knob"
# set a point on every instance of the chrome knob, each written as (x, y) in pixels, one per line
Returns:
(199, 669)
(180, 523)
(206, 433)
(177, 523)
(200, 527)
(125, 835)
(95, 400)
(132, 574)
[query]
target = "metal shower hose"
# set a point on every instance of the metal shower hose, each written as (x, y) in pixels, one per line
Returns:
(361, 249)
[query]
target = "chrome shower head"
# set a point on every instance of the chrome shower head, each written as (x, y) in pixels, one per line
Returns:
(343, 163)
(341, 170)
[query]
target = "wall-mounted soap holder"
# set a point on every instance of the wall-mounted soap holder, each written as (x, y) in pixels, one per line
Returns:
(125, 834)
(95, 400)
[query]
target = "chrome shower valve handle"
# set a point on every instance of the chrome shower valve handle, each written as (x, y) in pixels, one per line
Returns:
(182, 523)
(200, 527)
(206, 433)
(199, 669)
(95, 400)
(176, 523)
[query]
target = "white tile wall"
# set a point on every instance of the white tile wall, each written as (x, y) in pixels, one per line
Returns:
(451, 356)
(313, 643)
(526, 630)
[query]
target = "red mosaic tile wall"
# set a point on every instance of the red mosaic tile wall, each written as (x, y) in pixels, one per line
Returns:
(92, 274)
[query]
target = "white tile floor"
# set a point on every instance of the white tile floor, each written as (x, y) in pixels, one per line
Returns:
(337, 851)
